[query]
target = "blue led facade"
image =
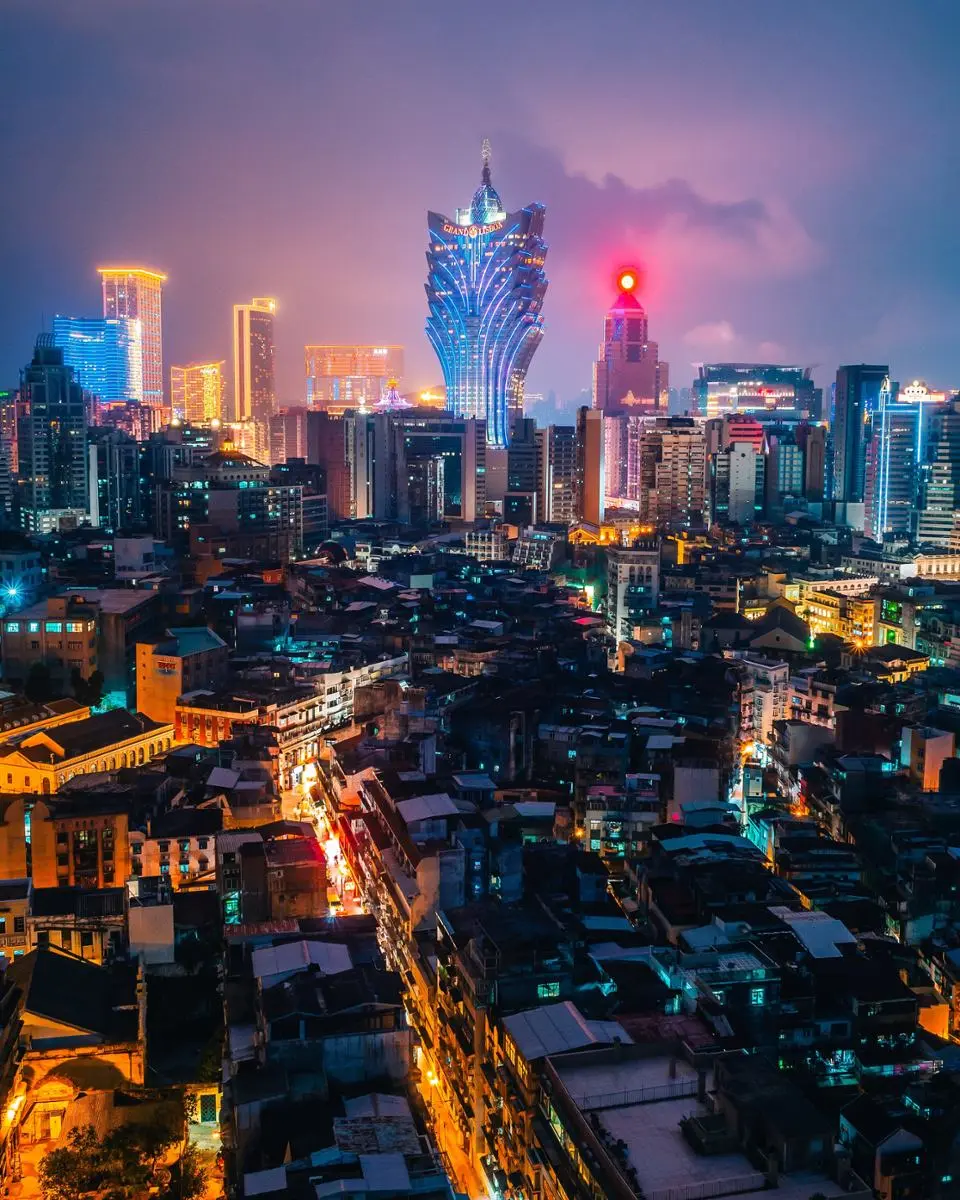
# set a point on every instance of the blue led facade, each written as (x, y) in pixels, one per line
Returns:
(105, 353)
(485, 291)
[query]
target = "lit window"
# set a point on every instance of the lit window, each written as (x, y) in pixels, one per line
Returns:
(548, 991)
(13, 627)
(756, 995)
(54, 627)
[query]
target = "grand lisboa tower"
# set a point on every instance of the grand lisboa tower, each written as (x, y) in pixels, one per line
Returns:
(485, 289)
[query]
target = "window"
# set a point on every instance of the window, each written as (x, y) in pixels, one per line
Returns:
(54, 627)
(13, 627)
(3, 924)
(19, 924)
(548, 991)
(756, 995)
(74, 627)
(33, 627)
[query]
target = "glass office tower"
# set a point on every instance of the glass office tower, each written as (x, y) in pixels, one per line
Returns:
(485, 291)
(106, 355)
(135, 292)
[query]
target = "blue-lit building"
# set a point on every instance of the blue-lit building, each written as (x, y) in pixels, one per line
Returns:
(485, 291)
(856, 401)
(892, 472)
(105, 353)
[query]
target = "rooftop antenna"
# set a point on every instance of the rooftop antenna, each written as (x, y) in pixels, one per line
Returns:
(485, 156)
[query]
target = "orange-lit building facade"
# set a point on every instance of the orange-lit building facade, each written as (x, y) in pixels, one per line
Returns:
(196, 392)
(343, 378)
(254, 382)
(136, 292)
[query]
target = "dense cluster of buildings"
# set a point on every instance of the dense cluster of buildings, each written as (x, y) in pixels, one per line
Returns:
(413, 800)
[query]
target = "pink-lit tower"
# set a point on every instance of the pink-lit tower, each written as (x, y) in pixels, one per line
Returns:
(628, 377)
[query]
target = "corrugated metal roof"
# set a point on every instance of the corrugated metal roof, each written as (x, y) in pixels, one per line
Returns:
(821, 934)
(331, 958)
(422, 808)
(557, 1027)
(385, 1173)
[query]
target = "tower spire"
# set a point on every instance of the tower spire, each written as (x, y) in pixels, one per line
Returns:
(485, 156)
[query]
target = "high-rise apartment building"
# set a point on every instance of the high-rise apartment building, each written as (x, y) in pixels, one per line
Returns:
(113, 467)
(557, 474)
(891, 482)
(415, 466)
(288, 435)
(590, 482)
(856, 399)
(196, 392)
(327, 447)
(633, 585)
(785, 483)
(813, 441)
(254, 385)
(135, 293)
(672, 479)
(628, 375)
(51, 442)
(940, 477)
(763, 389)
(106, 354)
(485, 290)
(738, 484)
(343, 378)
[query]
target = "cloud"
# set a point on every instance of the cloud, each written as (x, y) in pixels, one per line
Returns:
(712, 335)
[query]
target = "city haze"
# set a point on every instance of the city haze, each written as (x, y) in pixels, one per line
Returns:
(294, 149)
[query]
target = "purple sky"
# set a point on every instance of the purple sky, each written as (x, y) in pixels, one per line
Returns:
(787, 174)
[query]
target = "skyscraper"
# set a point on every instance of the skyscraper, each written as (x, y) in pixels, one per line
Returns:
(106, 354)
(856, 399)
(590, 483)
(51, 442)
(940, 488)
(342, 378)
(413, 466)
(485, 289)
(672, 478)
(557, 473)
(113, 461)
(628, 375)
(891, 474)
(135, 292)
(254, 388)
(196, 392)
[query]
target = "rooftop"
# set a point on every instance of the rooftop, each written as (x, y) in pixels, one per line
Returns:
(553, 1028)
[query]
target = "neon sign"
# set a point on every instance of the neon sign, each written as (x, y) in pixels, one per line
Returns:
(473, 230)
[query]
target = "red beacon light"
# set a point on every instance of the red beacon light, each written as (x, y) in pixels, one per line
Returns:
(627, 279)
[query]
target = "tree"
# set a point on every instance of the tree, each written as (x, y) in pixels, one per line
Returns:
(126, 1165)
(39, 684)
(188, 1178)
(73, 1171)
(87, 691)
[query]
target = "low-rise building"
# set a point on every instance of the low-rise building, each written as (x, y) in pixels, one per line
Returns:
(185, 659)
(47, 758)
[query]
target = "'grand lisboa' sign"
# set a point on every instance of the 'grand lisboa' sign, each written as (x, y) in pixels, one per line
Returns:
(473, 230)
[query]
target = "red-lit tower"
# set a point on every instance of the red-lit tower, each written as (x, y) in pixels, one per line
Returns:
(628, 377)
